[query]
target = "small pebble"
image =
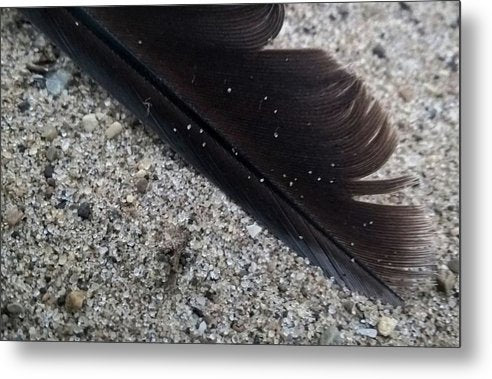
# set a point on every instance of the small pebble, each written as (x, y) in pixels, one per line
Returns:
(386, 325)
(368, 332)
(51, 182)
(329, 336)
(57, 81)
(238, 326)
(114, 129)
(48, 171)
(141, 185)
(130, 199)
(446, 281)
(406, 94)
(50, 133)
(253, 230)
(404, 6)
(89, 122)
(61, 301)
(141, 174)
(145, 164)
(434, 90)
(15, 309)
(454, 265)
(13, 216)
(379, 51)
(202, 327)
(48, 299)
(282, 287)
(75, 300)
(349, 306)
(52, 153)
(23, 106)
(84, 211)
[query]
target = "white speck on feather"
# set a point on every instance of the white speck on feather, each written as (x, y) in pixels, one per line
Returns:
(229, 90)
(188, 126)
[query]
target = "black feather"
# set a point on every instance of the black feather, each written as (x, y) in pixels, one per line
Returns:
(288, 134)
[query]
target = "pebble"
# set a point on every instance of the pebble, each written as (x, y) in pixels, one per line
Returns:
(404, 6)
(52, 153)
(13, 216)
(202, 327)
(14, 309)
(141, 174)
(329, 336)
(23, 106)
(57, 81)
(130, 199)
(406, 94)
(368, 332)
(386, 325)
(379, 51)
(114, 129)
(238, 326)
(48, 299)
(141, 185)
(48, 171)
(145, 164)
(89, 122)
(454, 265)
(435, 91)
(84, 211)
(349, 306)
(253, 230)
(75, 300)
(446, 281)
(50, 133)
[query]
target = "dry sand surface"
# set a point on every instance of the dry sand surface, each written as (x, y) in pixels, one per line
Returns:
(107, 235)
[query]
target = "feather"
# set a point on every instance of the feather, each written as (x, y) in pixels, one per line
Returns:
(287, 134)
